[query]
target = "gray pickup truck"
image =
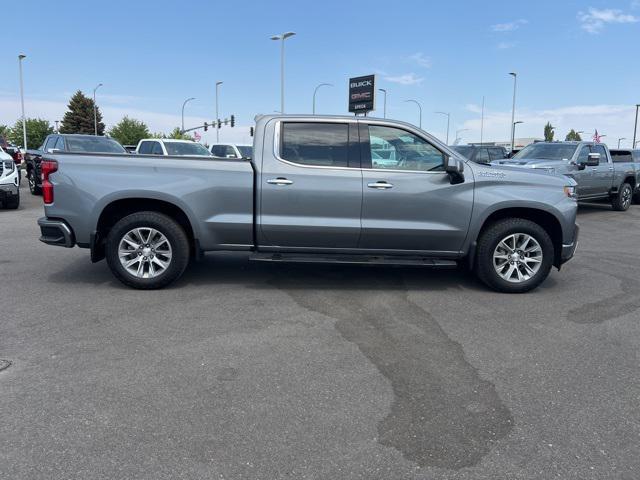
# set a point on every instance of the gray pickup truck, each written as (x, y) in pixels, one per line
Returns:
(312, 193)
(590, 164)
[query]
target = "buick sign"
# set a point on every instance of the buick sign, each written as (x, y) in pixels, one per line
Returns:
(362, 92)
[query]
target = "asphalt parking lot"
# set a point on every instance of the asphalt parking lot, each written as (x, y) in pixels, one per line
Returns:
(262, 371)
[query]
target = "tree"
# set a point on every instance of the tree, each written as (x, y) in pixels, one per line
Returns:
(177, 134)
(548, 132)
(5, 131)
(573, 136)
(37, 130)
(129, 131)
(79, 117)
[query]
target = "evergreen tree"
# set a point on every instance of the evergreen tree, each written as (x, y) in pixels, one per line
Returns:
(37, 131)
(129, 131)
(548, 132)
(177, 134)
(79, 117)
(573, 136)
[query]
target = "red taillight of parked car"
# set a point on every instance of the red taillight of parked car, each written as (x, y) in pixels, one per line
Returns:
(18, 158)
(47, 167)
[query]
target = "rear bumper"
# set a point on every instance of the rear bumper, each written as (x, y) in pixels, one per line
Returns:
(56, 232)
(569, 250)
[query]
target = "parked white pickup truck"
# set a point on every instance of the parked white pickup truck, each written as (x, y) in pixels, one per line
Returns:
(170, 146)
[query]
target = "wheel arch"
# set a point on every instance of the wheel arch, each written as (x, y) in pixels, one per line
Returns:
(119, 208)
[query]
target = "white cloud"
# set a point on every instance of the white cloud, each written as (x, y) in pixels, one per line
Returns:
(505, 45)
(406, 79)
(594, 20)
(615, 121)
(509, 26)
(420, 59)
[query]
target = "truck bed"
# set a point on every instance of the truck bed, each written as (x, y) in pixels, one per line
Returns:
(216, 195)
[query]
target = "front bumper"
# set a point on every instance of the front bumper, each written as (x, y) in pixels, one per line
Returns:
(56, 232)
(8, 190)
(569, 250)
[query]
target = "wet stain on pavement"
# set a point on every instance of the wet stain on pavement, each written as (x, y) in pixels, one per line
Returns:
(443, 414)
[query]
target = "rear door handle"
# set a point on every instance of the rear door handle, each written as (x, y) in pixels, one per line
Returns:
(279, 181)
(380, 185)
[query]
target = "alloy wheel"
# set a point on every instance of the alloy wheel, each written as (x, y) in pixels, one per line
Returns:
(517, 258)
(145, 252)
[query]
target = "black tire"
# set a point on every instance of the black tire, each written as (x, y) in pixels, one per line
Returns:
(14, 203)
(33, 188)
(168, 227)
(488, 242)
(636, 198)
(621, 201)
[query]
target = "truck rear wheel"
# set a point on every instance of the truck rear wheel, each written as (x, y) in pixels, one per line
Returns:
(147, 250)
(514, 255)
(622, 200)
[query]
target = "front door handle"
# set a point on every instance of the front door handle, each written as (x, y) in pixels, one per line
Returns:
(380, 185)
(279, 181)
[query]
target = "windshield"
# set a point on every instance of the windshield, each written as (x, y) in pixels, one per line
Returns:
(465, 150)
(245, 151)
(186, 148)
(547, 151)
(94, 145)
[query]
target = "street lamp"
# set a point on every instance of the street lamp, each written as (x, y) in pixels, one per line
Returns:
(419, 109)
(513, 137)
(384, 103)
(635, 126)
(513, 109)
(217, 117)
(282, 37)
(95, 110)
(185, 102)
(24, 120)
(448, 118)
(316, 91)
(619, 140)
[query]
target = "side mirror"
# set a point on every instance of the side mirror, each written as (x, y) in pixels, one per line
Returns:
(455, 168)
(231, 155)
(592, 160)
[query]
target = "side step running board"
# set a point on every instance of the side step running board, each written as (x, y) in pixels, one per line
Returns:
(353, 259)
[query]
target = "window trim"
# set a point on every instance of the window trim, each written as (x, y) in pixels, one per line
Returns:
(277, 141)
(365, 144)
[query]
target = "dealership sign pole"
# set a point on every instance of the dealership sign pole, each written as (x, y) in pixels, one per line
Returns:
(362, 94)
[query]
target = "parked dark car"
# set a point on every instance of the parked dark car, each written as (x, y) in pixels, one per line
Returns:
(72, 143)
(482, 153)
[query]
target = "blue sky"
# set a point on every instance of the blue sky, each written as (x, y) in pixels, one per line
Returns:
(578, 62)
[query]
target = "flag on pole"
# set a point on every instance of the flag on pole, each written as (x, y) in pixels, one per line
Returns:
(596, 137)
(196, 136)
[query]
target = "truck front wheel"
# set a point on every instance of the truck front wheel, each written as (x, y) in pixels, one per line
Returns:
(621, 201)
(33, 187)
(514, 255)
(147, 250)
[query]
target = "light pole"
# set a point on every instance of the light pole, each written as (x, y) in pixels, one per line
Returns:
(635, 126)
(316, 91)
(57, 128)
(384, 103)
(619, 140)
(513, 109)
(458, 132)
(448, 118)
(24, 120)
(513, 136)
(419, 109)
(95, 110)
(216, 125)
(183, 104)
(282, 37)
(482, 121)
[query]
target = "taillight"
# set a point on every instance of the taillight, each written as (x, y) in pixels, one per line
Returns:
(47, 167)
(18, 158)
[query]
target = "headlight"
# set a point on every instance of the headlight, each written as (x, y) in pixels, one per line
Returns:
(570, 191)
(9, 166)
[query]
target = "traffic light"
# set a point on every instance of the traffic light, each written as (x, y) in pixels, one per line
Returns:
(251, 131)
(233, 120)
(206, 126)
(219, 123)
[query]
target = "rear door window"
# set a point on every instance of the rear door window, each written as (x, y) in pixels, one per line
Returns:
(497, 154)
(621, 156)
(60, 144)
(157, 149)
(315, 143)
